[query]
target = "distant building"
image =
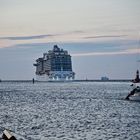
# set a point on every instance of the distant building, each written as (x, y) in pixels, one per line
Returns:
(104, 78)
(55, 65)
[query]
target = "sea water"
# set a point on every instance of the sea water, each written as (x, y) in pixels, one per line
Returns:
(69, 111)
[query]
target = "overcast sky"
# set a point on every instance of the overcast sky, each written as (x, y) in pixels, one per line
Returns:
(101, 35)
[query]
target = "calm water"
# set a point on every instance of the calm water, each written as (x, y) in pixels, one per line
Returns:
(69, 111)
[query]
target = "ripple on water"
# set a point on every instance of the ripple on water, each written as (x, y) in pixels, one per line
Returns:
(80, 111)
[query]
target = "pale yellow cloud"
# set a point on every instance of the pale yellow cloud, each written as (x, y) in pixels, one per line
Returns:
(6, 43)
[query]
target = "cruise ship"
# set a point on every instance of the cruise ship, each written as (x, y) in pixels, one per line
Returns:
(55, 65)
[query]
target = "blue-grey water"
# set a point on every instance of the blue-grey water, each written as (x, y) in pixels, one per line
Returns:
(69, 111)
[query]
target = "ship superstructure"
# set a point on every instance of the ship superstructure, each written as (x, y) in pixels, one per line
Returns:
(55, 65)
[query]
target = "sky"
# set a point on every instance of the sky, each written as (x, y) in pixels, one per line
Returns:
(102, 36)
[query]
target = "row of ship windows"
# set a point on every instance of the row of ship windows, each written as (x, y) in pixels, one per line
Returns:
(55, 67)
(60, 65)
(57, 63)
(57, 57)
(61, 69)
(54, 63)
(61, 62)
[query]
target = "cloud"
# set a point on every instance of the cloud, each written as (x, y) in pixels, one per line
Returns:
(77, 32)
(28, 37)
(4, 44)
(123, 52)
(31, 45)
(104, 36)
(40, 36)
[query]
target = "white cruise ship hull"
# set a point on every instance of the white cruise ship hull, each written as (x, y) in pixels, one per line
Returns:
(42, 78)
(56, 76)
(55, 65)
